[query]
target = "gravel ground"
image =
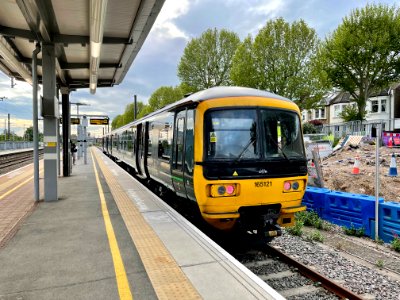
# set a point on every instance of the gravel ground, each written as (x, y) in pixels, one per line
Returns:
(351, 261)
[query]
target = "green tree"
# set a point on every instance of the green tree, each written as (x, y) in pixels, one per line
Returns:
(349, 113)
(129, 114)
(207, 60)
(362, 54)
(163, 96)
(117, 122)
(29, 134)
(282, 60)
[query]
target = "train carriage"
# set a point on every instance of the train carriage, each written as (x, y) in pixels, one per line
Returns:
(236, 153)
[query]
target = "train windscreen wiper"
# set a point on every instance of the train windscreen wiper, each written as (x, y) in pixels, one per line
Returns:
(279, 147)
(251, 140)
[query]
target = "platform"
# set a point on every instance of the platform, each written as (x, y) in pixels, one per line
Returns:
(108, 237)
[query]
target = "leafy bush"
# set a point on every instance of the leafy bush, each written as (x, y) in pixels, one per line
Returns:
(358, 232)
(316, 236)
(309, 128)
(297, 229)
(396, 243)
(312, 219)
(349, 113)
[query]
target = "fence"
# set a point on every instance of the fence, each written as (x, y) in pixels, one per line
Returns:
(364, 128)
(14, 145)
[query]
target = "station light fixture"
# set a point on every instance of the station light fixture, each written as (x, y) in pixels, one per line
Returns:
(98, 10)
(12, 61)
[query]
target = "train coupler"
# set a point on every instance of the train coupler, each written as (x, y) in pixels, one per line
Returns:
(272, 231)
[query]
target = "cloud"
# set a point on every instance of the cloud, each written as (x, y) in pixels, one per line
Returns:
(164, 27)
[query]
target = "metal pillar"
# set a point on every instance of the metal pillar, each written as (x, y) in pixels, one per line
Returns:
(50, 115)
(378, 142)
(66, 129)
(84, 135)
(35, 122)
(59, 140)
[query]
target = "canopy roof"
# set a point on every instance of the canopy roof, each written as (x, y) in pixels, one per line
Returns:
(86, 34)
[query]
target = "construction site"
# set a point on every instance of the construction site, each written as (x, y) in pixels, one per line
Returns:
(351, 168)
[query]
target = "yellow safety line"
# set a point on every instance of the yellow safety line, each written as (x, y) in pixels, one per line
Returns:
(15, 188)
(120, 274)
(167, 278)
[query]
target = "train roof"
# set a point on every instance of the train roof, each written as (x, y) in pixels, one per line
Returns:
(211, 93)
(220, 92)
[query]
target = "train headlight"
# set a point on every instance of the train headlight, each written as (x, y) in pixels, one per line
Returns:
(287, 186)
(223, 190)
(293, 186)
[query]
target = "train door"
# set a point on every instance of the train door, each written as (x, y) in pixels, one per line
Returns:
(178, 154)
(143, 130)
(182, 158)
(188, 165)
(138, 149)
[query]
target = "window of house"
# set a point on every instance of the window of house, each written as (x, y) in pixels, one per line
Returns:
(337, 110)
(322, 113)
(383, 105)
(374, 106)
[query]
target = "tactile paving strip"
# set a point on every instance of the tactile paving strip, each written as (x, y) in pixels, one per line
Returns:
(169, 282)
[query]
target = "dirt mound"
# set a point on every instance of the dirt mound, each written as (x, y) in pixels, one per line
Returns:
(337, 171)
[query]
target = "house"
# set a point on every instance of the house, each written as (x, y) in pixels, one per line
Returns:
(382, 108)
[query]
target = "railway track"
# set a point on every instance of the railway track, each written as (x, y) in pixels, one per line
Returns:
(11, 161)
(290, 278)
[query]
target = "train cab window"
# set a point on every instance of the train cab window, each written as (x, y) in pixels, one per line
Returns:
(282, 134)
(231, 134)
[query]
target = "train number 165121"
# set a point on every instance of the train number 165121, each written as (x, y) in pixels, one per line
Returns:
(260, 184)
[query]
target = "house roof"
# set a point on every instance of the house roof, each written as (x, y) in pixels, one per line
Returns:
(340, 97)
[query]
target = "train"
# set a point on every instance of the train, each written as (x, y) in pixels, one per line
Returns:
(237, 154)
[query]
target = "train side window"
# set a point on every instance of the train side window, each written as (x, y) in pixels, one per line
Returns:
(150, 140)
(130, 140)
(165, 141)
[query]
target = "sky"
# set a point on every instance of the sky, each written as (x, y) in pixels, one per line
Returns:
(156, 64)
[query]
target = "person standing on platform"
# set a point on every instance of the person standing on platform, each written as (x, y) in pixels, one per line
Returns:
(73, 150)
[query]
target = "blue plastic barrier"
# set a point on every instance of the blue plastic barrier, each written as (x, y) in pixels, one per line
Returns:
(345, 209)
(389, 221)
(314, 199)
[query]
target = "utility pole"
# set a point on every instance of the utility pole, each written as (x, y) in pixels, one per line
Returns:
(8, 135)
(135, 111)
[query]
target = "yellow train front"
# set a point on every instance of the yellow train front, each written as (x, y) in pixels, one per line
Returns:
(250, 162)
(236, 153)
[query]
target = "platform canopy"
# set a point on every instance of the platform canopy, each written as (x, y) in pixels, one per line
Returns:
(95, 41)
